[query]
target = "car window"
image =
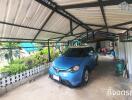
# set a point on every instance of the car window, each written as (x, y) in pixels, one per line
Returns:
(75, 52)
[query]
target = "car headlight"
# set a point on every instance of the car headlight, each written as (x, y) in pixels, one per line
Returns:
(74, 69)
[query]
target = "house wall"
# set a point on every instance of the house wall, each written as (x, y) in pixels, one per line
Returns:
(125, 52)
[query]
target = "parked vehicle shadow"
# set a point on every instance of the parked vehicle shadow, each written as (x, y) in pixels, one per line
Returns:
(104, 70)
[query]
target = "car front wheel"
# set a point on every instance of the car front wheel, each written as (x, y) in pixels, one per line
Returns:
(85, 77)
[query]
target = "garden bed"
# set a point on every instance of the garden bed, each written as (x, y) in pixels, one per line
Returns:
(13, 81)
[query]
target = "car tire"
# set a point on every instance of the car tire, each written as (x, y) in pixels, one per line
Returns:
(85, 77)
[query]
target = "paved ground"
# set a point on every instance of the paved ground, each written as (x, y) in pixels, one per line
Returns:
(101, 79)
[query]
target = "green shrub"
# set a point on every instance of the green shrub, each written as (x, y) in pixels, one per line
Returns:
(42, 56)
(17, 61)
(17, 68)
(4, 69)
(20, 65)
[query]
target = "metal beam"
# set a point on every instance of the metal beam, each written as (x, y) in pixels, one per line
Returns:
(90, 31)
(53, 32)
(126, 32)
(69, 32)
(71, 28)
(117, 26)
(43, 25)
(82, 33)
(17, 25)
(87, 35)
(53, 6)
(121, 24)
(102, 36)
(98, 39)
(30, 47)
(103, 13)
(6, 39)
(121, 28)
(101, 33)
(21, 47)
(95, 4)
(7, 23)
(107, 33)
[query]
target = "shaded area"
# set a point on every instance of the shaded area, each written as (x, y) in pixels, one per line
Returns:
(101, 79)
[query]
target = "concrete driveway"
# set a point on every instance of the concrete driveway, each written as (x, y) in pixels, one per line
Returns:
(101, 80)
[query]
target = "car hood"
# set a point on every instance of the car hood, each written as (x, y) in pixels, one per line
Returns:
(63, 62)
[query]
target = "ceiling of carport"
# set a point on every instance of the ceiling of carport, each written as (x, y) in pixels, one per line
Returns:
(88, 15)
(30, 20)
(58, 23)
(116, 15)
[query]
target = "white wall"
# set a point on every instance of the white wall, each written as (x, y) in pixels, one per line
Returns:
(121, 50)
(125, 52)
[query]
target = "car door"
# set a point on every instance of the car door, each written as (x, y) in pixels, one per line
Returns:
(92, 57)
(89, 59)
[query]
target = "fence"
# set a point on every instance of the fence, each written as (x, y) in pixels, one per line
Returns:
(10, 82)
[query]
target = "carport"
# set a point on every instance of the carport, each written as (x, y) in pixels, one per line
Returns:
(63, 21)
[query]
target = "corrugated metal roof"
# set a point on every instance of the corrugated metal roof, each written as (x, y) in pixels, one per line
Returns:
(116, 15)
(58, 23)
(88, 15)
(28, 19)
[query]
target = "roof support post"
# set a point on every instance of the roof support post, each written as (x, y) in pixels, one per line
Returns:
(87, 35)
(68, 43)
(127, 34)
(93, 35)
(49, 57)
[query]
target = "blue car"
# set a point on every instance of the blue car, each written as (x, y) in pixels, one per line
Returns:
(72, 68)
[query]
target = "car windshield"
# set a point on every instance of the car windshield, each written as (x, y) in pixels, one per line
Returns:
(76, 52)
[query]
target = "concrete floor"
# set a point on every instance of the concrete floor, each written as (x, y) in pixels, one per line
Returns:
(101, 79)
